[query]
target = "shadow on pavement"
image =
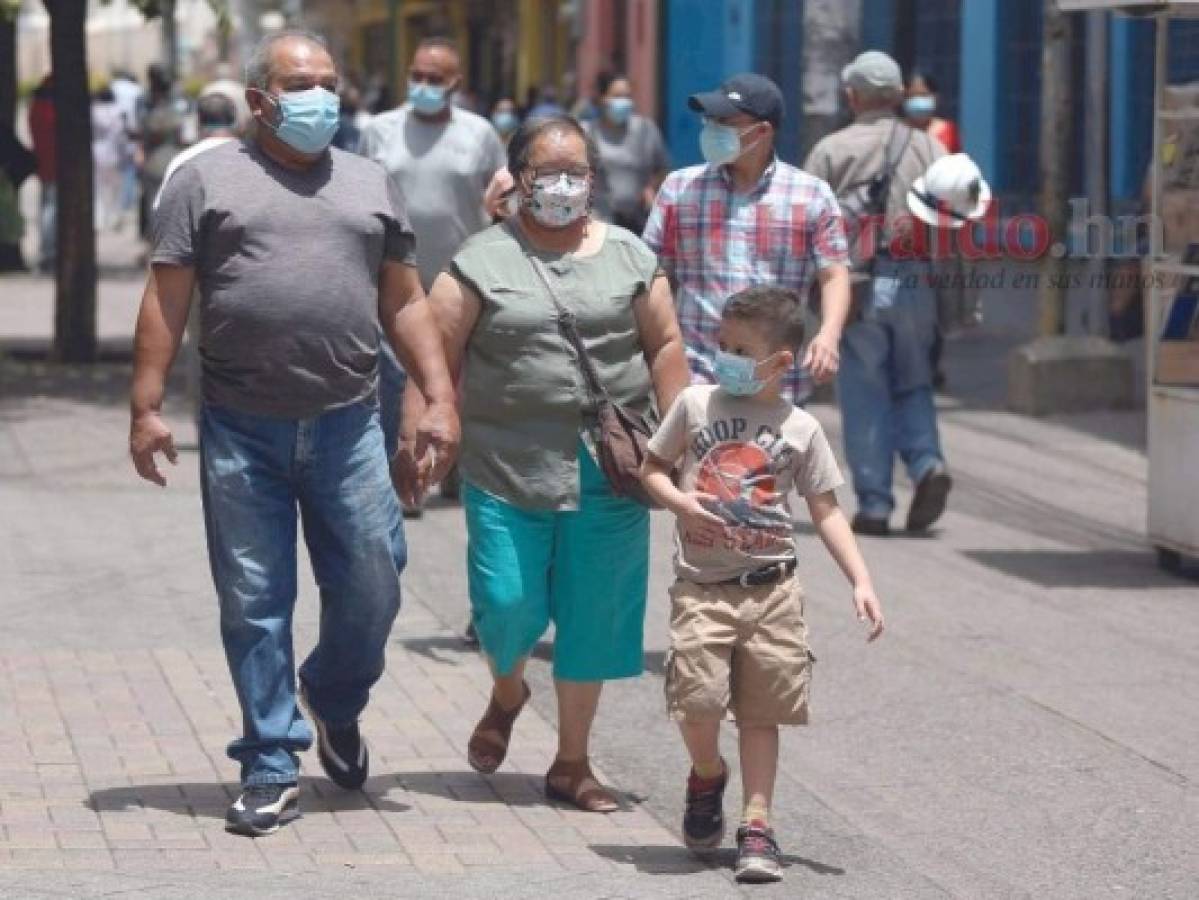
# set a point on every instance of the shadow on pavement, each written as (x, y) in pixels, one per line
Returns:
(1110, 569)
(28, 374)
(667, 860)
(209, 800)
(506, 788)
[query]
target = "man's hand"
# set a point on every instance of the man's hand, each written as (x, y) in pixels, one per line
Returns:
(869, 609)
(696, 520)
(822, 359)
(439, 430)
(148, 435)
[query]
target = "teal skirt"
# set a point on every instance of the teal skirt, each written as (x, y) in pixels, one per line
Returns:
(587, 571)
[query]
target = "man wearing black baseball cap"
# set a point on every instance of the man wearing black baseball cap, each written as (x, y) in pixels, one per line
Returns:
(747, 219)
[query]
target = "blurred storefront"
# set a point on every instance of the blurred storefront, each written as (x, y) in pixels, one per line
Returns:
(509, 47)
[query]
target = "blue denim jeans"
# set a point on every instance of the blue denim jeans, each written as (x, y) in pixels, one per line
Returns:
(256, 472)
(885, 385)
(392, 381)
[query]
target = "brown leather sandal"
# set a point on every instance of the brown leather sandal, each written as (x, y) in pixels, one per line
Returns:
(575, 772)
(483, 751)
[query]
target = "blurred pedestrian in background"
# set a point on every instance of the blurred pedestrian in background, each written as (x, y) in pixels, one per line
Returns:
(17, 163)
(349, 132)
(544, 103)
(549, 539)
(161, 139)
(747, 219)
(129, 96)
(633, 158)
(442, 158)
(920, 108)
(42, 128)
(506, 118)
(885, 385)
(112, 151)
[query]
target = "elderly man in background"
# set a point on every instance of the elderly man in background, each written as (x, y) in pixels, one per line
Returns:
(298, 252)
(442, 158)
(885, 386)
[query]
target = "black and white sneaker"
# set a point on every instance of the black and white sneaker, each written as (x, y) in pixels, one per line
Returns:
(703, 820)
(262, 808)
(757, 855)
(342, 751)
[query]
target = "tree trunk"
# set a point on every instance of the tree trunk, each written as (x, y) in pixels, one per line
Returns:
(170, 40)
(75, 290)
(8, 69)
(1057, 114)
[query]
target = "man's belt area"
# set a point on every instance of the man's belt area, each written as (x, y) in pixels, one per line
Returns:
(771, 574)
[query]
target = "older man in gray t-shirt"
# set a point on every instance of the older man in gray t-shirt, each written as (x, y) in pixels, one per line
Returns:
(298, 252)
(443, 159)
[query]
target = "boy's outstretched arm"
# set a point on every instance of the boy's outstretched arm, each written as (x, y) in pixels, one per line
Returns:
(694, 519)
(834, 530)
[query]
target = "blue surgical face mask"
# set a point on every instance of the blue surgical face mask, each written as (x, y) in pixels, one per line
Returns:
(429, 99)
(619, 109)
(307, 119)
(920, 107)
(720, 144)
(505, 122)
(737, 375)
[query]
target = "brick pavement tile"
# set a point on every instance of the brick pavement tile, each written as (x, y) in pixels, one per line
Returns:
(127, 831)
(81, 840)
(87, 860)
(438, 863)
(290, 860)
(22, 858)
(26, 838)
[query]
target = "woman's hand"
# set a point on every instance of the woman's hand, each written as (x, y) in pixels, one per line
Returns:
(409, 477)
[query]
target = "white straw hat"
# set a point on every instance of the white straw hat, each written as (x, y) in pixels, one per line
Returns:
(951, 193)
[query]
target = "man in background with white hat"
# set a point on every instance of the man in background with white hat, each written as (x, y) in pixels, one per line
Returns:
(885, 384)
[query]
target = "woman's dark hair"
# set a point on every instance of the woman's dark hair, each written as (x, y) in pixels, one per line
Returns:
(520, 145)
(929, 81)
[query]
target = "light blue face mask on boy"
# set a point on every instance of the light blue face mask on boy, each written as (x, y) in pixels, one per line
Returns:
(307, 119)
(737, 375)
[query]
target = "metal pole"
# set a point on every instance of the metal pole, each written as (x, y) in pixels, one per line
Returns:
(1057, 112)
(1096, 116)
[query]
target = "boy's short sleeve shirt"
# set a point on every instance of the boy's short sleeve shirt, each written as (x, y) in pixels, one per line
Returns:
(751, 457)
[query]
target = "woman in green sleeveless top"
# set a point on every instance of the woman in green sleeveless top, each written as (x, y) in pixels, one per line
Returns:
(548, 539)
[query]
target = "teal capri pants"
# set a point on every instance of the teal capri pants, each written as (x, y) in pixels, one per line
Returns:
(587, 571)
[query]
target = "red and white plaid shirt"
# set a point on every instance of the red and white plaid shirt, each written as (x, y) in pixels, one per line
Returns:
(714, 242)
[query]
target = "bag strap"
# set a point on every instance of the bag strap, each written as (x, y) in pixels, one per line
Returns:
(891, 164)
(566, 321)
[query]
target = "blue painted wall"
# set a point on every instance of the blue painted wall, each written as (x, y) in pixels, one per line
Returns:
(779, 55)
(705, 42)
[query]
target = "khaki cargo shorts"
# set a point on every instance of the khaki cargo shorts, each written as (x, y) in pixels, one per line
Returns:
(738, 652)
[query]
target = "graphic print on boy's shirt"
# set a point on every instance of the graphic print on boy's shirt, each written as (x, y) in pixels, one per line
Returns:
(747, 478)
(749, 456)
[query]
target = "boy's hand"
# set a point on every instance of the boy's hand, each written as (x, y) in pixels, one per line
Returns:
(868, 608)
(697, 520)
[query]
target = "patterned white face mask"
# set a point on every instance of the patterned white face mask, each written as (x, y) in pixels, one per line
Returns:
(559, 200)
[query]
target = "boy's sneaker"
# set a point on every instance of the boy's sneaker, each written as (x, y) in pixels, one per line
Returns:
(757, 855)
(342, 751)
(703, 820)
(261, 808)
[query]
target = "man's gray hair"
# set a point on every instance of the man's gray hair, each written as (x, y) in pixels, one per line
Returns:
(258, 68)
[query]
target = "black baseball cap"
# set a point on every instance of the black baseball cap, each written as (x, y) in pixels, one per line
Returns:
(749, 93)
